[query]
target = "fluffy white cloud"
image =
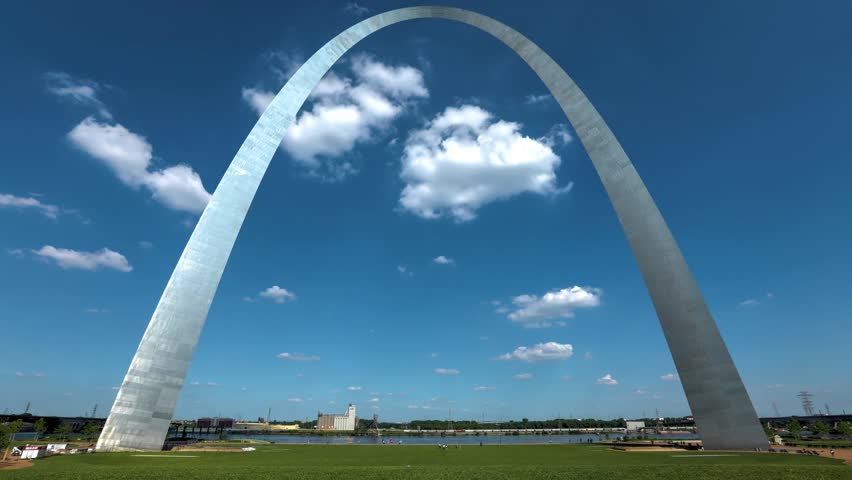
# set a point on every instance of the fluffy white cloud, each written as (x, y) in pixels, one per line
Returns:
(670, 377)
(278, 294)
(540, 352)
(13, 201)
(345, 112)
(442, 260)
(484, 388)
(78, 90)
(534, 312)
(353, 388)
(447, 371)
(129, 156)
(298, 357)
(401, 82)
(67, 258)
(463, 159)
(522, 376)
(607, 380)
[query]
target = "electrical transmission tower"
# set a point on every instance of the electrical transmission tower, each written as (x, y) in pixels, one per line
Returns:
(807, 403)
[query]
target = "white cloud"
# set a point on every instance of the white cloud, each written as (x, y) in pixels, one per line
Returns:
(442, 260)
(533, 99)
(278, 294)
(13, 201)
(534, 312)
(607, 380)
(375, 407)
(29, 375)
(404, 271)
(345, 112)
(670, 377)
(96, 310)
(78, 90)
(353, 8)
(447, 371)
(522, 376)
(401, 82)
(295, 400)
(540, 352)
(353, 388)
(750, 302)
(298, 357)
(129, 156)
(67, 258)
(374, 400)
(588, 356)
(413, 407)
(640, 392)
(146, 244)
(463, 160)
(484, 388)
(434, 355)
(205, 384)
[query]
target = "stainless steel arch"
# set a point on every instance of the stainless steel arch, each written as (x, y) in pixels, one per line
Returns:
(140, 416)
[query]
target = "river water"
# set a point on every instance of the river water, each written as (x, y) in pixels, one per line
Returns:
(435, 440)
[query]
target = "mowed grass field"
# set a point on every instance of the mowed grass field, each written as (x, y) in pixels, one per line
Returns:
(429, 462)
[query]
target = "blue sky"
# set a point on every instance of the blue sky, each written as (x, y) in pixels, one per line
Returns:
(348, 283)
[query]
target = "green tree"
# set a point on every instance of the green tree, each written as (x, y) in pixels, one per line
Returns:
(844, 428)
(15, 427)
(91, 430)
(64, 430)
(5, 439)
(40, 426)
(821, 428)
(794, 427)
(768, 429)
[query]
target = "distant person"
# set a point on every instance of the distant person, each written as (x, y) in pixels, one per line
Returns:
(480, 443)
(832, 452)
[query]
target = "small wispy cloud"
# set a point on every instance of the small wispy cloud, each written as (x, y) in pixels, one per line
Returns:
(75, 259)
(533, 99)
(447, 371)
(298, 357)
(670, 377)
(8, 200)
(522, 376)
(79, 90)
(205, 384)
(355, 9)
(353, 388)
(484, 388)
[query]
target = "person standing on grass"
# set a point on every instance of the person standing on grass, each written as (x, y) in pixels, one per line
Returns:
(832, 452)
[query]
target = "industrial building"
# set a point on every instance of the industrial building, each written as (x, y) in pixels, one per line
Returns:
(345, 422)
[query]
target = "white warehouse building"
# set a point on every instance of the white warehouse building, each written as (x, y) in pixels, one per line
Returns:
(345, 422)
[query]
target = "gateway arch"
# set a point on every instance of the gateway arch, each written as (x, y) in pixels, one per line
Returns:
(143, 408)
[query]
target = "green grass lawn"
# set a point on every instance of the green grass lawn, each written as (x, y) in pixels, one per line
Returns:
(429, 462)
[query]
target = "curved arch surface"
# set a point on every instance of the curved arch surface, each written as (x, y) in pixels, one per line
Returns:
(143, 408)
